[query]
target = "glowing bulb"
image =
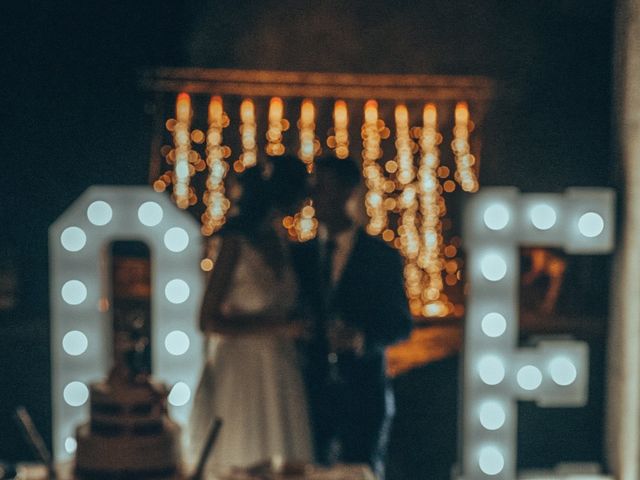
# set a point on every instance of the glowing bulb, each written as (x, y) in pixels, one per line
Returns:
(493, 267)
(75, 394)
(563, 371)
(529, 377)
(73, 239)
(496, 217)
(179, 395)
(177, 342)
(75, 343)
(591, 224)
(74, 292)
(543, 216)
(490, 460)
(340, 113)
(371, 111)
(70, 445)
(491, 370)
(99, 213)
(493, 324)
(177, 291)
(307, 112)
(492, 415)
(176, 239)
(150, 214)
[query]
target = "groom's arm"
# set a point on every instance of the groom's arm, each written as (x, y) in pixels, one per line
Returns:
(382, 309)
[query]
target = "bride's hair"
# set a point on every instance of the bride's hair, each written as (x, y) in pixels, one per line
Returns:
(279, 183)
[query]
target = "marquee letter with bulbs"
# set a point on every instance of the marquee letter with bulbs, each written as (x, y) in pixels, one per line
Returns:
(81, 330)
(497, 221)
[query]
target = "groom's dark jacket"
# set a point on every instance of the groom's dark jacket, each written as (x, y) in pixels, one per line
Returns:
(369, 296)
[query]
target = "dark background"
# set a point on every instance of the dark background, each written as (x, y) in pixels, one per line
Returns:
(73, 116)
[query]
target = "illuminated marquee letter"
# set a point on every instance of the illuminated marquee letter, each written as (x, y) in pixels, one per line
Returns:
(497, 221)
(81, 335)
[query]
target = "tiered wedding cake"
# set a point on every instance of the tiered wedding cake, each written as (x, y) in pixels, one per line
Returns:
(129, 435)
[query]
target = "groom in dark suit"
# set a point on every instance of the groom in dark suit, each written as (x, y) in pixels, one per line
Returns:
(352, 285)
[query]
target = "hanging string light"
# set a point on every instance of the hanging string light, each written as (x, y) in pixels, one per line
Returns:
(277, 124)
(182, 169)
(465, 174)
(214, 198)
(309, 145)
(404, 147)
(432, 209)
(341, 129)
(374, 177)
(248, 128)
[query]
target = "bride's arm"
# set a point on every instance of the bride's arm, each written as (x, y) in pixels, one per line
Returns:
(212, 320)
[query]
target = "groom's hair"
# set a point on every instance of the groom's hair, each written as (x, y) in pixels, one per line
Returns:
(287, 180)
(345, 169)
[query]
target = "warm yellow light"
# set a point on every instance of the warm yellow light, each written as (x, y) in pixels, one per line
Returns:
(214, 198)
(373, 173)
(465, 174)
(206, 264)
(276, 109)
(462, 112)
(183, 107)
(182, 152)
(371, 111)
(248, 130)
(429, 114)
(276, 125)
(309, 145)
(341, 127)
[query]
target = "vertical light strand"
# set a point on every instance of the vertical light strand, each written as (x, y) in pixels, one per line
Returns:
(374, 177)
(432, 208)
(249, 156)
(309, 145)
(341, 128)
(404, 147)
(182, 142)
(408, 199)
(214, 198)
(465, 174)
(409, 239)
(277, 124)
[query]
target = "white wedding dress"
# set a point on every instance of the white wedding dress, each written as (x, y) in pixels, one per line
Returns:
(252, 382)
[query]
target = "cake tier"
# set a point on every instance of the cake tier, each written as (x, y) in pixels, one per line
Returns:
(148, 456)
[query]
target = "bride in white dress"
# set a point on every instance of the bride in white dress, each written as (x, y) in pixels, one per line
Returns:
(251, 378)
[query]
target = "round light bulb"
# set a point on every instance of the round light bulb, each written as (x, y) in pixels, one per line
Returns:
(99, 213)
(179, 395)
(563, 371)
(177, 291)
(490, 460)
(176, 239)
(177, 342)
(496, 217)
(75, 343)
(493, 267)
(73, 239)
(591, 224)
(150, 214)
(74, 292)
(529, 377)
(75, 394)
(543, 216)
(492, 415)
(70, 445)
(491, 370)
(493, 324)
